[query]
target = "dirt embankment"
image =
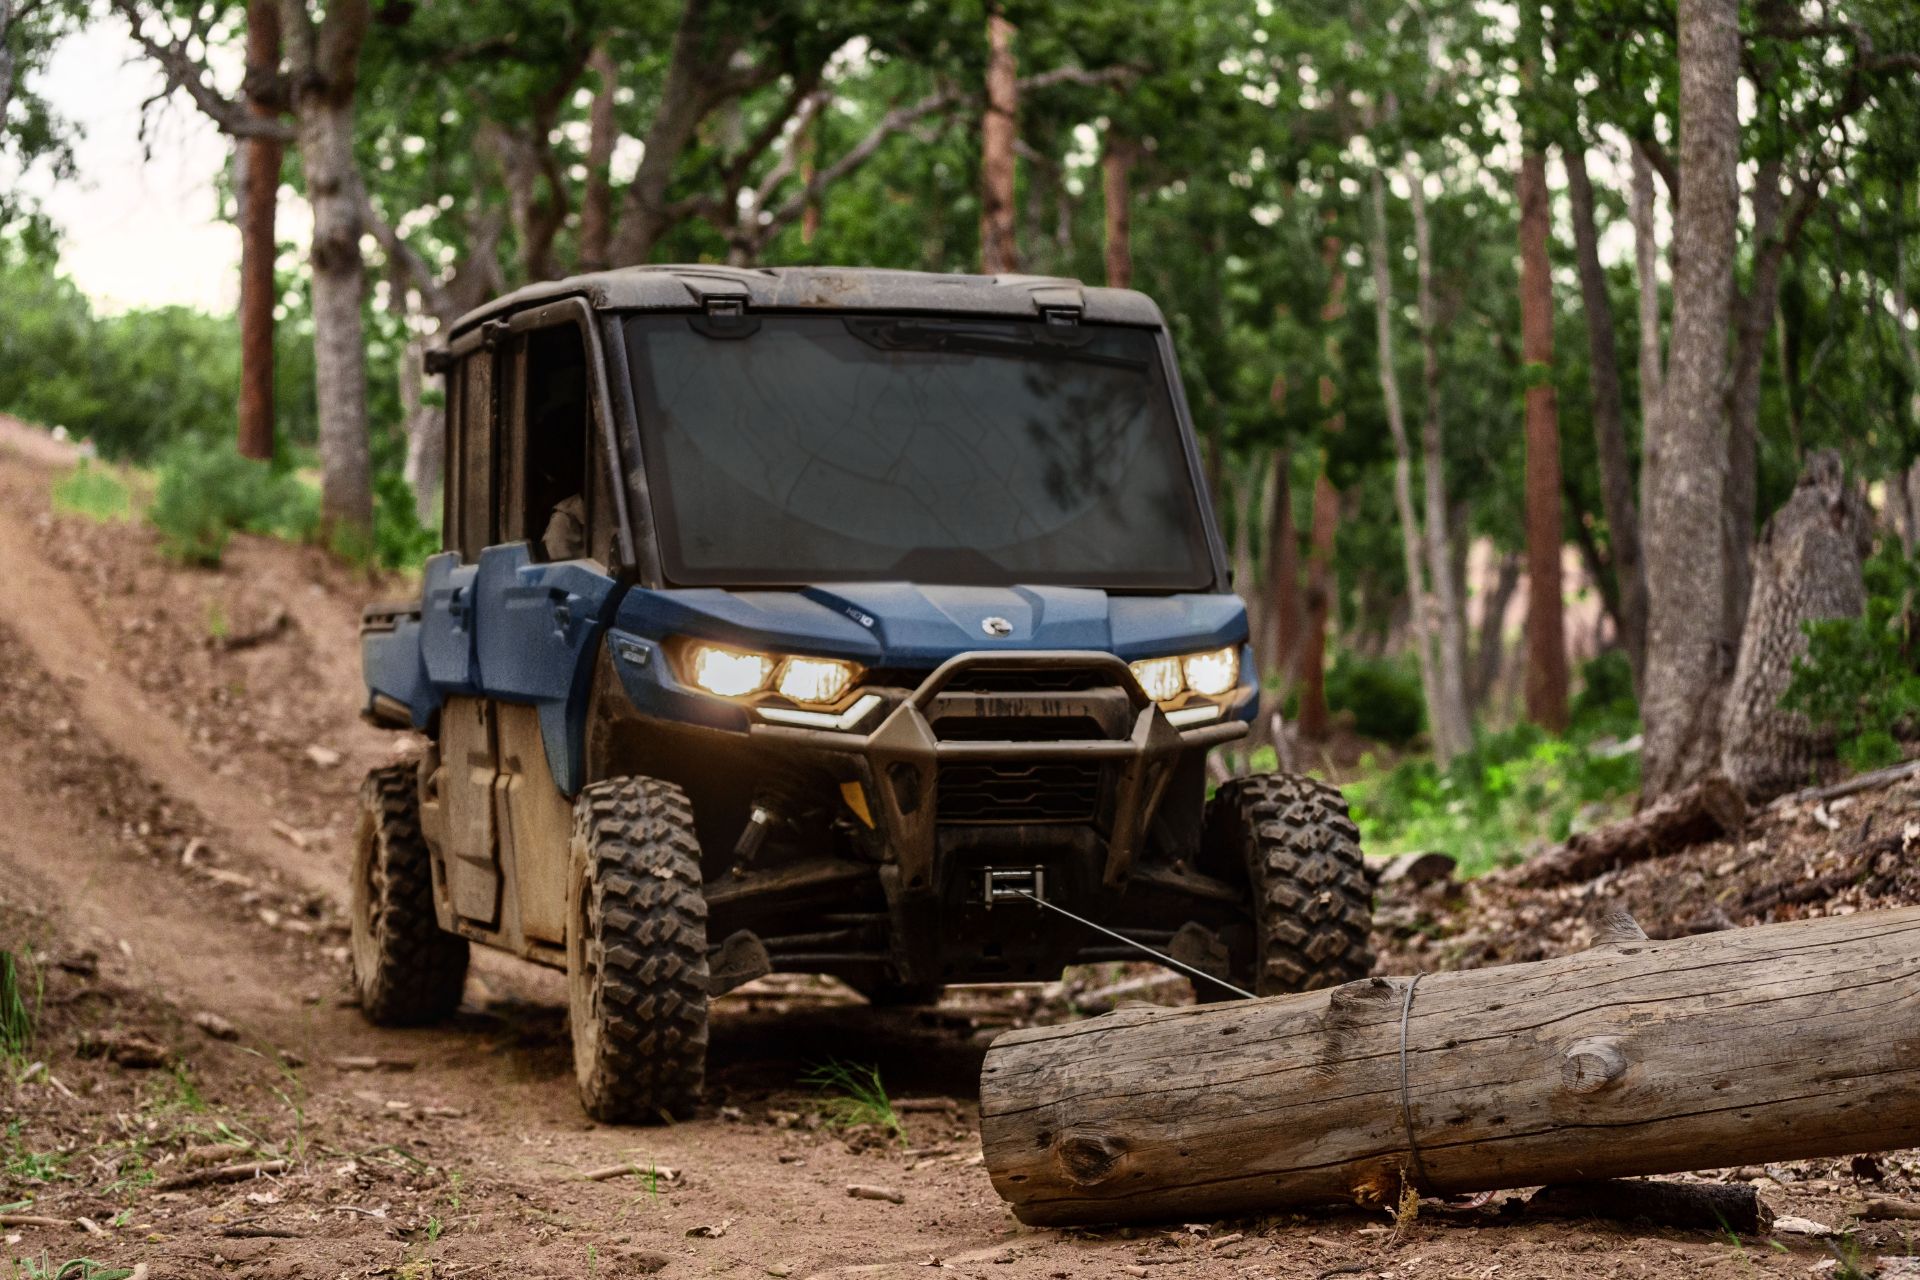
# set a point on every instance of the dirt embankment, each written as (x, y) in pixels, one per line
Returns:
(178, 757)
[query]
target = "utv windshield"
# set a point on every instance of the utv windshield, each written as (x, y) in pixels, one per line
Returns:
(788, 449)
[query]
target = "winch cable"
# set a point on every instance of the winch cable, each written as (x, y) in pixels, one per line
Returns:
(1167, 960)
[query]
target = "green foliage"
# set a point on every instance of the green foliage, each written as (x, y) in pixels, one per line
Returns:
(1605, 705)
(94, 491)
(853, 1095)
(1514, 789)
(1860, 677)
(207, 491)
(1382, 694)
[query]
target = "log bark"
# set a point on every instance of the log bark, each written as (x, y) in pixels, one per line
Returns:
(1632, 1058)
(1704, 811)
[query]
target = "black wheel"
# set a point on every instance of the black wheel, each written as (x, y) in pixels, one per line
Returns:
(637, 952)
(1312, 903)
(900, 995)
(406, 969)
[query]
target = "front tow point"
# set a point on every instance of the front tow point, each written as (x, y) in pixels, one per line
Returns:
(1012, 884)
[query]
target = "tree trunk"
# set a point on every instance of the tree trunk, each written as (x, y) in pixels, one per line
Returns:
(339, 346)
(1420, 610)
(1807, 569)
(1683, 478)
(324, 68)
(687, 94)
(259, 196)
(1279, 645)
(1449, 621)
(1313, 723)
(1116, 171)
(1546, 623)
(596, 202)
(6, 56)
(999, 126)
(1627, 1058)
(1490, 650)
(1609, 425)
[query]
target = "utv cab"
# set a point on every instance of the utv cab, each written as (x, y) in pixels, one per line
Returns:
(822, 621)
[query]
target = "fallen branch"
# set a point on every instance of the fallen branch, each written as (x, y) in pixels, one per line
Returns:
(1693, 815)
(1882, 1209)
(35, 1220)
(224, 1173)
(1871, 781)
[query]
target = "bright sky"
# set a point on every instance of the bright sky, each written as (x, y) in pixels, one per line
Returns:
(139, 225)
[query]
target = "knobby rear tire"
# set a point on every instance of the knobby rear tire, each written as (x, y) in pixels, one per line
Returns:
(637, 952)
(407, 971)
(1312, 901)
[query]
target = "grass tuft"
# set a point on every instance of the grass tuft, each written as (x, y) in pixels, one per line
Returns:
(19, 1007)
(853, 1095)
(94, 491)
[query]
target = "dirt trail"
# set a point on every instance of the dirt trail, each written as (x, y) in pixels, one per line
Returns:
(160, 808)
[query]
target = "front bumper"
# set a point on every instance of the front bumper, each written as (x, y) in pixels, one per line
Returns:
(1012, 739)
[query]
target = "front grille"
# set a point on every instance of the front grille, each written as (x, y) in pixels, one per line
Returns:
(1030, 679)
(1000, 792)
(1018, 729)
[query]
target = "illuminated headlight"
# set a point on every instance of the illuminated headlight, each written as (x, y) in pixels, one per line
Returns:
(731, 673)
(1212, 673)
(1160, 677)
(815, 679)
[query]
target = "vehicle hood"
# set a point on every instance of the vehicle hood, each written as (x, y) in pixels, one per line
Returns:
(907, 625)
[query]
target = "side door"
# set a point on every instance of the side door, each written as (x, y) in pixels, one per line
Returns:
(469, 747)
(543, 594)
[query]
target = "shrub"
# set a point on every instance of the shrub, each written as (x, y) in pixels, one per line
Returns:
(207, 491)
(1605, 705)
(1382, 694)
(93, 491)
(1516, 788)
(1860, 677)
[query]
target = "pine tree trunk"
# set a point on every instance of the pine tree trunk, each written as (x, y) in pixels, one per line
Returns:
(1546, 687)
(1453, 721)
(1490, 650)
(1753, 320)
(1116, 171)
(1646, 256)
(1684, 475)
(259, 196)
(998, 133)
(1314, 723)
(1280, 634)
(1609, 425)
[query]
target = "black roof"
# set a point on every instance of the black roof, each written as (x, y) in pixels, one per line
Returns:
(671, 288)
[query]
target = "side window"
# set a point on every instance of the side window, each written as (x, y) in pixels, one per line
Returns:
(476, 454)
(553, 499)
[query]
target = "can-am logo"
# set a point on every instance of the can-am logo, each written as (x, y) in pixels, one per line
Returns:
(996, 627)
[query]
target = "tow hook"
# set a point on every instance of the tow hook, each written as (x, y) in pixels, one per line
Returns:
(1012, 884)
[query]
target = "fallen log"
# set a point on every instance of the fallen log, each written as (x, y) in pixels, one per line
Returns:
(1693, 815)
(1633, 1057)
(1692, 1206)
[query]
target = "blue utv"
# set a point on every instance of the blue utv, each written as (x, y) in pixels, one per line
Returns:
(822, 621)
